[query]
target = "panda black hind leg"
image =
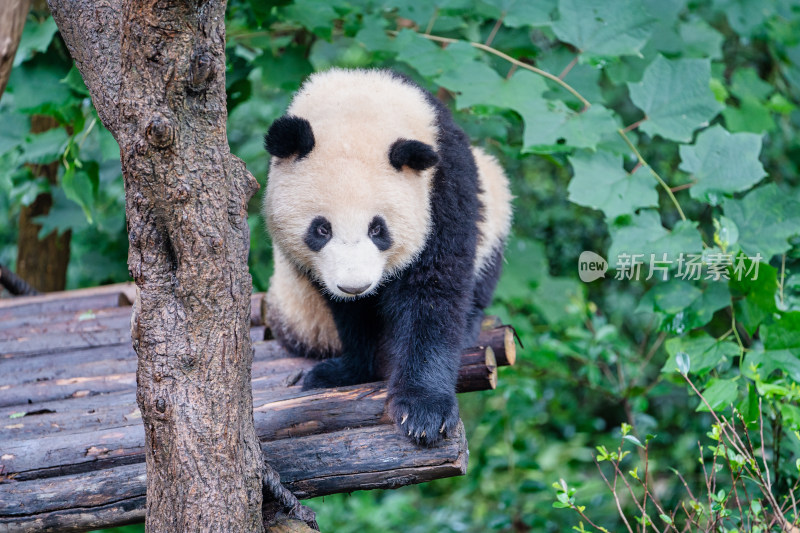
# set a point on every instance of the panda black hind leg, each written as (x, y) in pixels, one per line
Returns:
(358, 326)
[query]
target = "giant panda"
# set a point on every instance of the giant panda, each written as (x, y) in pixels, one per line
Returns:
(388, 232)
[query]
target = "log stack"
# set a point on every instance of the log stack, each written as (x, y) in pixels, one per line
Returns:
(72, 441)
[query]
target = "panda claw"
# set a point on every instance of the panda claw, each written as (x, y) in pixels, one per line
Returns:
(403, 421)
(422, 435)
(441, 429)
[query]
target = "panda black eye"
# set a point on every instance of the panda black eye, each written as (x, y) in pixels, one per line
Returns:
(379, 233)
(318, 234)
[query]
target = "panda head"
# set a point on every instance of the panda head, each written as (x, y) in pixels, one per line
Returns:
(349, 182)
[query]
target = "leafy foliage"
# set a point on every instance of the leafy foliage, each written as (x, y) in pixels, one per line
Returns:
(661, 135)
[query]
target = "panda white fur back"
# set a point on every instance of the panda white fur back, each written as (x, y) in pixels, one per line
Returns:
(388, 233)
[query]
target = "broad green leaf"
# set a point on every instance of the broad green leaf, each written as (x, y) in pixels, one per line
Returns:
(783, 333)
(373, 35)
(675, 97)
(517, 13)
(720, 393)
(745, 16)
(45, 147)
(766, 362)
(706, 352)
(643, 234)
(81, 184)
(600, 182)
(316, 15)
(286, 70)
(15, 127)
(63, 215)
(722, 163)
(698, 39)
(751, 116)
(753, 292)
(549, 125)
(430, 59)
(74, 81)
(36, 37)
(745, 82)
(603, 28)
(766, 218)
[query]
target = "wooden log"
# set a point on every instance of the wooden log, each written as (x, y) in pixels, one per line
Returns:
(117, 436)
(30, 378)
(313, 465)
(119, 317)
(501, 339)
(120, 294)
(478, 370)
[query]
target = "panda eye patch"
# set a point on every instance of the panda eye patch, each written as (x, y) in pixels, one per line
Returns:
(379, 234)
(318, 234)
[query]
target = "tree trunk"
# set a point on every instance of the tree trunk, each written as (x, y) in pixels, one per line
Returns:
(156, 72)
(12, 19)
(42, 263)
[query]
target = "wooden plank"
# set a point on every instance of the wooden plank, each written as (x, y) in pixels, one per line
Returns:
(314, 465)
(279, 412)
(90, 371)
(120, 294)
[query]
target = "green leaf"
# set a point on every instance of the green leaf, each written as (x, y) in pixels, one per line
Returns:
(45, 147)
(431, 60)
(550, 126)
(316, 15)
(643, 234)
(36, 37)
(751, 115)
(783, 333)
(286, 70)
(720, 393)
(634, 440)
(745, 83)
(706, 352)
(604, 28)
(518, 13)
(767, 217)
(698, 39)
(74, 81)
(553, 127)
(64, 215)
(722, 163)
(81, 184)
(600, 182)
(676, 98)
(754, 299)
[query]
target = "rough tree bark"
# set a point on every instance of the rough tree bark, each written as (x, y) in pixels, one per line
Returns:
(156, 73)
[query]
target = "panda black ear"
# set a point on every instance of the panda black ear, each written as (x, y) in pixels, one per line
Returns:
(288, 136)
(413, 154)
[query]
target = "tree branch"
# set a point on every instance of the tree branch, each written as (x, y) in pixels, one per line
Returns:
(12, 21)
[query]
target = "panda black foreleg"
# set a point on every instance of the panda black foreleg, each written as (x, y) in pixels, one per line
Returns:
(359, 327)
(425, 327)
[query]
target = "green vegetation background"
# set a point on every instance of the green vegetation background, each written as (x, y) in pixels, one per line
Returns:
(696, 97)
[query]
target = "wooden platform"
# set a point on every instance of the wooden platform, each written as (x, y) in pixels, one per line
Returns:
(72, 442)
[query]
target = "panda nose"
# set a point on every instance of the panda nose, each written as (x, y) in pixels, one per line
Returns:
(354, 291)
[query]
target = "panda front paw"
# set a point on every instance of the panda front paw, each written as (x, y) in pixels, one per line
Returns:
(331, 373)
(426, 418)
